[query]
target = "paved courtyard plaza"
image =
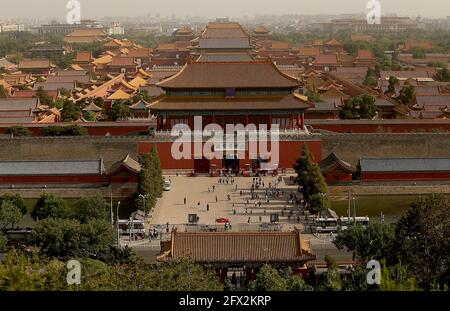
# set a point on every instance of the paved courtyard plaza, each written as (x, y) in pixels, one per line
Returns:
(225, 201)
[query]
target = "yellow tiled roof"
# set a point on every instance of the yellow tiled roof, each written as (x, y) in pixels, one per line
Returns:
(103, 60)
(138, 82)
(118, 95)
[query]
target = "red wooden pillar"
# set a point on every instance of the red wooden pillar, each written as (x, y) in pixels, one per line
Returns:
(291, 122)
(213, 118)
(246, 119)
(303, 121)
(191, 122)
(298, 120)
(270, 121)
(158, 123)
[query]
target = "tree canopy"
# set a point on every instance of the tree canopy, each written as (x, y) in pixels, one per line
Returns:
(359, 107)
(10, 215)
(310, 178)
(270, 279)
(50, 206)
(16, 200)
(423, 241)
(90, 208)
(118, 111)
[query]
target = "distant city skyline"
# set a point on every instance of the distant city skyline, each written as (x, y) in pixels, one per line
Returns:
(56, 9)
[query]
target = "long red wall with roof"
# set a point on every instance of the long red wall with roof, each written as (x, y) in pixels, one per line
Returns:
(383, 126)
(374, 176)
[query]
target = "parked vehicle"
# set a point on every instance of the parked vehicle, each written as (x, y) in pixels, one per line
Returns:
(135, 227)
(345, 222)
(167, 185)
(326, 225)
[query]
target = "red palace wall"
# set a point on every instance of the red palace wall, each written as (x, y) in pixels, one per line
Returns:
(289, 153)
(338, 177)
(377, 127)
(405, 176)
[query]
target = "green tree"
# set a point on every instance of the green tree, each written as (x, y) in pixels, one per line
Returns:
(118, 111)
(184, 276)
(64, 61)
(90, 208)
(10, 215)
(317, 203)
(156, 171)
(150, 180)
(99, 101)
(393, 81)
(407, 95)
(269, 279)
(419, 53)
(50, 206)
(422, 240)
(367, 108)
(71, 130)
(64, 92)
(397, 278)
(71, 111)
(44, 97)
(18, 131)
(64, 238)
(89, 116)
(372, 242)
(349, 110)
(443, 75)
(313, 96)
(3, 242)
(371, 79)
(331, 279)
(309, 176)
(359, 107)
(16, 200)
(146, 186)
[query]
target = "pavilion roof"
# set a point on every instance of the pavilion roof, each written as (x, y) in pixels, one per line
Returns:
(332, 162)
(106, 59)
(140, 105)
(256, 74)
(138, 82)
(258, 247)
(119, 94)
(128, 162)
(255, 103)
(92, 107)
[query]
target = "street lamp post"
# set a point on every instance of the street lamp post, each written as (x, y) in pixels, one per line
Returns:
(143, 197)
(117, 225)
(111, 204)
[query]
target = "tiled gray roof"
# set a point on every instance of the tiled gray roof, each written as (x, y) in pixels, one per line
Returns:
(49, 86)
(10, 104)
(16, 120)
(405, 164)
(27, 168)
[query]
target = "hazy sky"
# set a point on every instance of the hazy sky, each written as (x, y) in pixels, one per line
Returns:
(216, 8)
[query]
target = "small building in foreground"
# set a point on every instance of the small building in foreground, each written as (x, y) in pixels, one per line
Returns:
(404, 169)
(334, 169)
(239, 253)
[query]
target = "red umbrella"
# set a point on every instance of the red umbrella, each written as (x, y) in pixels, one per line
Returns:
(222, 220)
